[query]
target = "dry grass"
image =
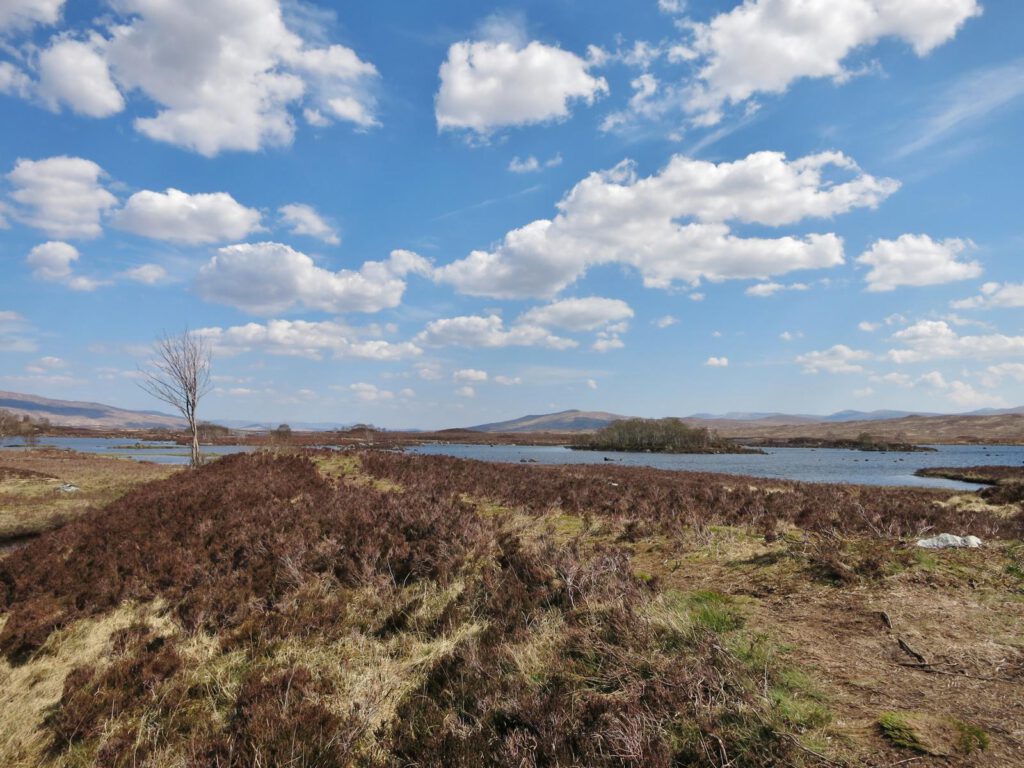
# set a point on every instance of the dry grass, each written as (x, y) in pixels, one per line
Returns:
(30, 499)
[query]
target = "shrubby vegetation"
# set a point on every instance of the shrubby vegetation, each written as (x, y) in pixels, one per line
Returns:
(657, 436)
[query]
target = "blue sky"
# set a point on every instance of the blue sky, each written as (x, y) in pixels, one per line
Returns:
(437, 214)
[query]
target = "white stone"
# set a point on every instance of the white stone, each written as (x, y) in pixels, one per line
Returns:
(948, 540)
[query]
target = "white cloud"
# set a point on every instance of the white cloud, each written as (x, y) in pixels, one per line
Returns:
(837, 359)
(867, 326)
(960, 392)
(53, 262)
(371, 393)
(616, 217)
(666, 321)
(266, 278)
(23, 14)
(428, 371)
(494, 83)
(586, 314)
(916, 260)
(1014, 371)
(302, 338)
(763, 46)
(899, 379)
(607, 341)
(968, 102)
(531, 164)
(13, 81)
(935, 339)
(490, 331)
(717, 362)
(61, 196)
(672, 6)
(15, 333)
(508, 381)
(466, 391)
(228, 76)
(469, 374)
(791, 335)
(147, 274)
(179, 217)
(764, 290)
(994, 295)
(75, 72)
(304, 220)
(591, 384)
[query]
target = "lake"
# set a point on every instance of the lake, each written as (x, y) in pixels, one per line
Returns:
(160, 452)
(816, 465)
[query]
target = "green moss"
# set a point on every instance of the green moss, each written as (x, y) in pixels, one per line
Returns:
(971, 737)
(898, 730)
(932, 734)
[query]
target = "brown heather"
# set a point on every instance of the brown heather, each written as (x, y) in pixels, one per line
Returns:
(286, 618)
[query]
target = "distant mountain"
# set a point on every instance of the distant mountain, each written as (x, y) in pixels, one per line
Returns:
(71, 413)
(299, 426)
(563, 421)
(842, 416)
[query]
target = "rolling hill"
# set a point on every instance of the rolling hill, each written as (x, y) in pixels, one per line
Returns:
(70, 413)
(563, 421)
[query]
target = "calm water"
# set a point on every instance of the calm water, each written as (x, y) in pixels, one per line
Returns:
(160, 452)
(819, 465)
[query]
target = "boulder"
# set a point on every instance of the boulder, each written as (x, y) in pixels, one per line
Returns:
(948, 541)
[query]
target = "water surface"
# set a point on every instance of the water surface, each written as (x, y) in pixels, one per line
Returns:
(816, 465)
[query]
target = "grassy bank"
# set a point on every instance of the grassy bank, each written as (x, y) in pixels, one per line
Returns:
(387, 610)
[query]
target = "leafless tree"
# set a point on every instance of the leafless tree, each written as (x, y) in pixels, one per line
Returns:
(180, 376)
(8, 424)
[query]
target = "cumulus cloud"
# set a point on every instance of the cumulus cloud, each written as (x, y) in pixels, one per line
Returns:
(935, 339)
(960, 392)
(490, 84)
(489, 331)
(75, 73)
(267, 278)
(916, 260)
(763, 46)
(466, 391)
(13, 81)
(303, 338)
(717, 362)
(179, 217)
(836, 359)
(62, 196)
(764, 290)
(994, 296)
(585, 314)
(867, 326)
(303, 219)
(469, 375)
(508, 381)
(223, 75)
(54, 262)
(1013, 371)
(24, 14)
(672, 226)
(666, 321)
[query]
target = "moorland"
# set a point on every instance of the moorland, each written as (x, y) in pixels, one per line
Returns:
(322, 608)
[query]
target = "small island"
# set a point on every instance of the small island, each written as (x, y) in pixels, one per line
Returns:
(863, 442)
(658, 436)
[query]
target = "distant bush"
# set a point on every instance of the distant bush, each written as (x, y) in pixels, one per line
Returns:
(657, 436)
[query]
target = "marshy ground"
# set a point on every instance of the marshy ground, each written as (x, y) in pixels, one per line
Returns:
(376, 609)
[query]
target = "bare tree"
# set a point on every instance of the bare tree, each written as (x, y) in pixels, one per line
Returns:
(180, 376)
(8, 424)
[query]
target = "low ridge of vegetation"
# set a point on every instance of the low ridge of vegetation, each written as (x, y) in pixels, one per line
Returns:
(657, 436)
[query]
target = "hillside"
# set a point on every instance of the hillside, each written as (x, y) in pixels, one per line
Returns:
(72, 413)
(563, 421)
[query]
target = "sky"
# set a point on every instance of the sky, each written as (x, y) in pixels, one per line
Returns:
(440, 214)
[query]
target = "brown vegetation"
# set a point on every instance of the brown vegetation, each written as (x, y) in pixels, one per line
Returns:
(377, 609)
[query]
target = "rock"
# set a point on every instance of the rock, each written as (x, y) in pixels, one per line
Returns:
(948, 541)
(68, 488)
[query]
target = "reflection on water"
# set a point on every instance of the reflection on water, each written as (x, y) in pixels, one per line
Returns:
(818, 465)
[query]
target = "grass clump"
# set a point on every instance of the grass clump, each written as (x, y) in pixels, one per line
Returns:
(932, 734)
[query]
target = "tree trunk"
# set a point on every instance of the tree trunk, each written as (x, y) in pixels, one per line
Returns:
(196, 456)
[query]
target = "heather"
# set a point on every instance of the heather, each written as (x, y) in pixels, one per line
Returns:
(376, 609)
